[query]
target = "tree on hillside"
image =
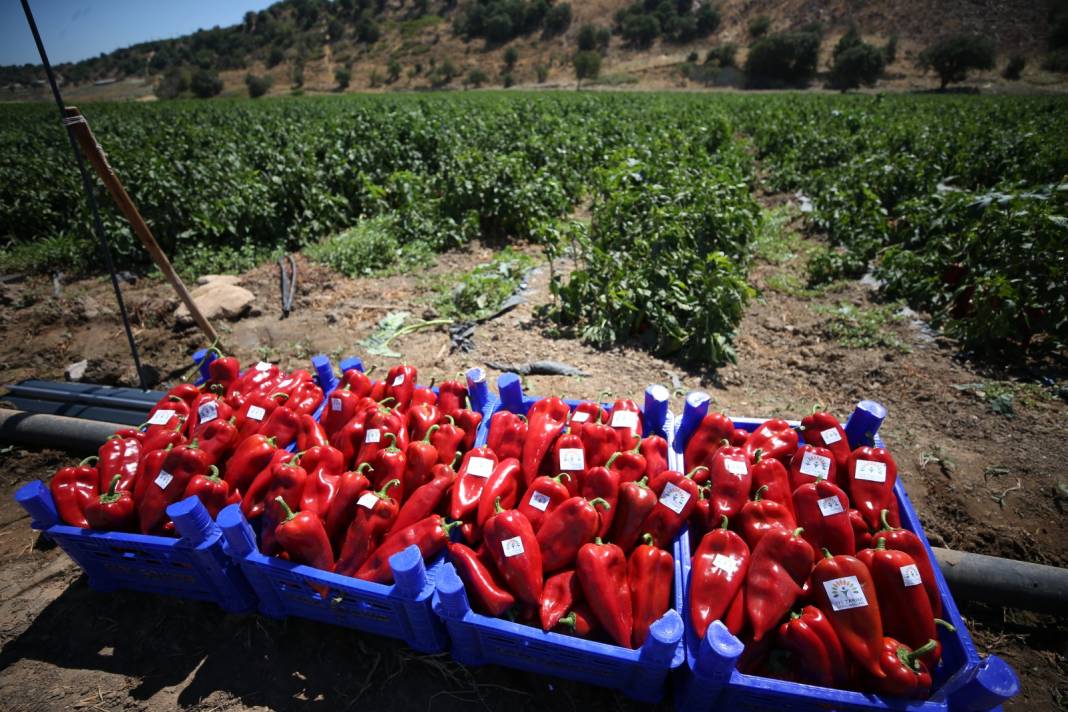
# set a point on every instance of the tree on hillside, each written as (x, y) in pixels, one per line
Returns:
(393, 70)
(953, 57)
(257, 86)
(783, 59)
(343, 76)
(205, 83)
(860, 64)
(558, 19)
(511, 56)
(475, 78)
(587, 66)
(759, 26)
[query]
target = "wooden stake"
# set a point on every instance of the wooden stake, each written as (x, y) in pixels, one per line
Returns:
(92, 150)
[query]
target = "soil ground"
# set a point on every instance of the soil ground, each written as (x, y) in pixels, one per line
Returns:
(981, 481)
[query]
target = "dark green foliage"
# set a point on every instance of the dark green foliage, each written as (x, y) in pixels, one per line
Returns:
(641, 22)
(542, 71)
(275, 57)
(587, 65)
(393, 70)
(722, 55)
(558, 19)
(205, 83)
(511, 56)
(587, 38)
(859, 64)
(640, 30)
(759, 26)
(953, 57)
(890, 50)
(1015, 66)
(499, 21)
(342, 76)
(476, 78)
(257, 86)
(783, 59)
(173, 83)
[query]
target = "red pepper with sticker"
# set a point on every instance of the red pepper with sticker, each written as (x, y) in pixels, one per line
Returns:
(341, 405)
(559, 595)
(388, 464)
(543, 496)
(604, 484)
(708, 437)
(339, 515)
(774, 438)
(569, 456)
(114, 510)
(375, 513)
(778, 568)
(717, 573)
(586, 413)
(251, 416)
(487, 595)
(870, 484)
(823, 430)
(823, 511)
(475, 470)
(566, 529)
(650, 573)
(147, 470)
(811, 463)
(906, 541)
(599, 442)
(380, 423)
(158, 437)
(602, 571)
(400, 385)
(424, 500)
(674, 506)
(170, 413)
(507, 432)
(207, 408)
(636, 500)
(545, 420)
(730, 478)
(514, 548)
(625, 417)
(179, 466)
(845, 592)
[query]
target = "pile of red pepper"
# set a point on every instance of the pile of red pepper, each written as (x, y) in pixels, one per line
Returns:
(565, 515)
(800, 553)
(209, 441)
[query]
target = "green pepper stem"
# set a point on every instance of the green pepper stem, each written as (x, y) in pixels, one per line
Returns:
(758, 454)
(113, 484)
(563, 475)
(946, 624)
(497, 505)
(920, 651)
(881, 544)
(690, 474)
(290, 514)
(429, 432)
(600, 500)
(797, 532)
(597, 541)
(826, 553)
(362, 465)
(760, 493)
(570, 620)
(647, 539)
(882, 518)
(392, 447)
(213, 473)
(381, 494)
(88, 460)
(723, 524)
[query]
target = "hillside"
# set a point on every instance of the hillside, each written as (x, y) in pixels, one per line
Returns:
(419, 44)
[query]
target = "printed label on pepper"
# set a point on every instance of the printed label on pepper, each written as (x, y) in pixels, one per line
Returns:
(738, 468)
(512, 547)
(815, 465)
(845, 593)
(726, 564)
(766, 432)
(398, 380)
(572, 458)
(367, 500)
(160, 417)
(674, 497)
(373, 435)
(580, 416)
(208, 412)
(480, 467)
(830, 436)
(539, 500)
(256, 413)
(263, 366)
(829, 506)
(870, 470)
(625, 419)
(163, 479)
(335, 404)
(910, 575)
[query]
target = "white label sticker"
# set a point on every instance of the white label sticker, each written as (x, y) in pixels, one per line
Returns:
(373, 435)
(911, 575)
(766, 432)
(777, 443)
(398, 380)
(539, 500)
(738, 468)
(674, 498)
(830, 436)
(580, 416)
(208, 411)
(512, 547)
(480, 467)
(367, 500)
(572, 458)
(263, 366)
(256, 413)
(625, 419)
(160, 417)
(335, 404)
(845, 593)
(870, 470)
(163, 479)
(829, 506)
(726, 564)
(815, 465)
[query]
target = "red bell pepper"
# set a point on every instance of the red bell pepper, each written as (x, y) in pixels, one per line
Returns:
(566, 529)
(207, 409)
(676, 503)
(823, 511)
(602, 571)
(170, 413)
(730, 478)
(845, 593)
(185, 392)
(157, 437)
(769, 472)
(323, 479)
(358, 382)
(568, 456)
(424, 396)
(380, 423)
(602, 483)
(759, 516)
(779, 566)
(287, 481)
(579, 622)
(487, 595)
(451, 396)
(349, 438)
(310, 434)
(904, 674)
(811, 463)
(871, 477)
(303, 538)
(502, 487)
(113, 510)
(815, 663)
(823, 430)
(389, 463)
(422, 501)
(419, 460)
(708, 437)
(650, 572)
(626, 419)
(179, 466)
(430, 535)
(701, 517)
(468, 421)
(212, 491)
(447, 440)
(400, 385)
(774, 438)
(251, 416)
(717, 573)
(254, 499)
(420, 419)
(375, 513)
(734, 618)
(630, 464)
(547, 417)
(218, 438)
(283, 424)
(342, 509)
(738, 437)
(861, 533)
(118, 456)
(147, 470)
(655, 451)
(340, 407)
(513, 545)
(599, 442)
(305, 398)
(225, 371)
(560, 593)
(476, 468)
(507, 432)
(253, 378)
(635, 502)
(586, 413)
(906, 541)
(543, 496)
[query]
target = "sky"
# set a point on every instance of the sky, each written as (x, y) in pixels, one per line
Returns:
(79, 29)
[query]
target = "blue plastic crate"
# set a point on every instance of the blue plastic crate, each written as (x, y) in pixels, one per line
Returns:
(191, 566)
(479, 639)
(402, 610)
(962, 681)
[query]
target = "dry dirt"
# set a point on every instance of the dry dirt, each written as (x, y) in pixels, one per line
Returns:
(66, 646)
